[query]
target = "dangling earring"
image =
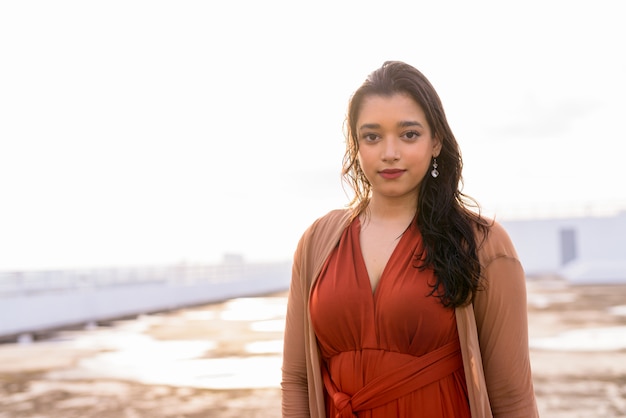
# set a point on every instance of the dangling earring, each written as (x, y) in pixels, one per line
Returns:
(434, 173)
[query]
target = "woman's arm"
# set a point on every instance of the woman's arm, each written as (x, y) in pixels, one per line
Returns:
(295, 399)
(502, 323)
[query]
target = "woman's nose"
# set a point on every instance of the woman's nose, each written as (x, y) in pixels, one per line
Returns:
(390, 150)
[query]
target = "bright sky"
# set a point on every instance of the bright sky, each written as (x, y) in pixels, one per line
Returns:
(143, 132)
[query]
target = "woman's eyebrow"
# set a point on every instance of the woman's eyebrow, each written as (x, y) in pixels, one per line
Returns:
(401, 124)
(409, 123)
(369, 126)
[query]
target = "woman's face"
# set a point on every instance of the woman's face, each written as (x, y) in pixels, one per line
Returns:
(395, 145)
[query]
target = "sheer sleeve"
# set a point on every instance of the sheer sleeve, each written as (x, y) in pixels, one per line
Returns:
(502, 324)
(295, 401)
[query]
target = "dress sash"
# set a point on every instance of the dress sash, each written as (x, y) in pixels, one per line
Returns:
(417, 373)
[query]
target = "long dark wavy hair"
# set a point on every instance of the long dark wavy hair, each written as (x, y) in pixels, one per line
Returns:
(451, 231)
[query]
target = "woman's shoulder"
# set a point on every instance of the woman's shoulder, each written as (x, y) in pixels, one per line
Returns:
(331, 219)
(494, 242)
(335, 216)
(320, 237)
(327, 225)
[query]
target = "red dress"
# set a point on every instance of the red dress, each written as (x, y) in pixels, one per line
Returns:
(389, 353)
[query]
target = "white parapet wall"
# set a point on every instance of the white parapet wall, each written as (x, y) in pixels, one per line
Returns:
(583, 250)
(30, 308)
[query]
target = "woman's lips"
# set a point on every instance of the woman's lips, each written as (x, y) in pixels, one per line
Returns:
(391, 173)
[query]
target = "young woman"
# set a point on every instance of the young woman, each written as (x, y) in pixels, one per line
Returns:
(409, 303)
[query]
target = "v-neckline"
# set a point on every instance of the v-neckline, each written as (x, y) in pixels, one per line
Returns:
(357, 238)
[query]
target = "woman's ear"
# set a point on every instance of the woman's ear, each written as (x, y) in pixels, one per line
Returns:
(436, 147)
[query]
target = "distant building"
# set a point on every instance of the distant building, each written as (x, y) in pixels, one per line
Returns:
(232, 258)
(580, 249)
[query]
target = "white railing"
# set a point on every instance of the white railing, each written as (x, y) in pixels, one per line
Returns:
(29, 282)
(35, 301)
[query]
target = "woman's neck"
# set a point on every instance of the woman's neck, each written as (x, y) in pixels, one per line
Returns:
(391, 211)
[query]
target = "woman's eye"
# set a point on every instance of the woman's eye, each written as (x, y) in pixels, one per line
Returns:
(370, 137)
(412, 135)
